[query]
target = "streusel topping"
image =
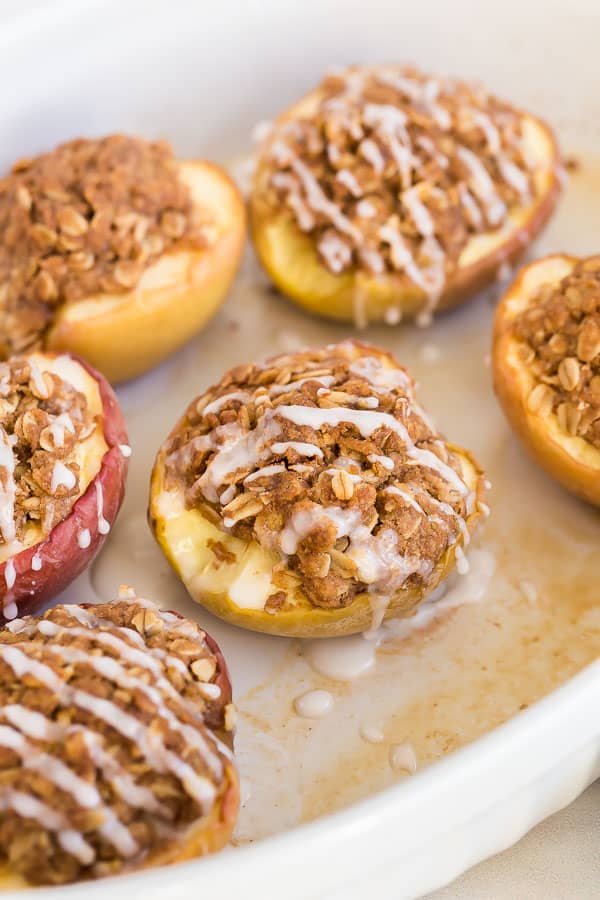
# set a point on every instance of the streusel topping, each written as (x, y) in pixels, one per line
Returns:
(325, 457)
(396, 170)
(561, 330)
(87, 218)
(42, 419)
(107, 750)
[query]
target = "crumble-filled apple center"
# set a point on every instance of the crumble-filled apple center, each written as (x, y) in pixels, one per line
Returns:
(325, 458)
(394, 171)
(51, 444)
(560, 330)
(86, 219)
(110, 755)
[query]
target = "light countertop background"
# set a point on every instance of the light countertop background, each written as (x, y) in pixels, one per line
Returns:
(558, 860)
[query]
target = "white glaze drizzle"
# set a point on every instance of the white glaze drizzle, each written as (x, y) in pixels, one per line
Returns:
(29, 807)
(384, 379)
(324, 380)
(313, 704)
(134, 794)
(128, 726)
(372, 734)
(7, 488)
(367, 422)
(418, 212)
(384, 461)
(10, 611)
(481, 184)
(103, 524)
(341, 659)
(462, 563)
(318, 200)
(490, 132)
(470, 206)
(335, 251)
(112, 670)
(10, 573)
(84, 538)
(407, 496)
(237, 450)
(403, 758)
(265, 472)
(300, 447)
(59, 426)
(228, 494)
(515, 177)
(348, 180)
(32, 723)
(389, 124)
(62, 476)
(365, 209)
(217, 405)
(369, 150)
(392, 315)
(63, 777)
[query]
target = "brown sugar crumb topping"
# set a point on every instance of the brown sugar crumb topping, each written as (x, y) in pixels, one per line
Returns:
(42, 420)
(107, 750)
(87, 218)
(561, 330)
(325, 457)
(394, 171)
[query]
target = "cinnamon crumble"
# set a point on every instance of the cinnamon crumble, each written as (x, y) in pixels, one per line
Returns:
(393, 171)
(326, 458)
(87, 218)
(561, 331)
(108, 751)
(42, 420)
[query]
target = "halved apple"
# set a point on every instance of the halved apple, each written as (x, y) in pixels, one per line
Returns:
(237, 590)
(178, 797)
(124, 335)
(37, 568)
(291, 260)
(573, 461)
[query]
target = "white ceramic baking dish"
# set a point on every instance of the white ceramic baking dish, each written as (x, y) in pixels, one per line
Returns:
(202, 74)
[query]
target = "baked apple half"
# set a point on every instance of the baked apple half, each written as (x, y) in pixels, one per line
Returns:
(312, 496)
(387, 193)
(115, 742)
(113, 250)
(63, 463)
(546, 361)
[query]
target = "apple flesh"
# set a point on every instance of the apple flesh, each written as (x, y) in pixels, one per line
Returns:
(570, 460)
(290, 257)
(124, 335)
(43, 567)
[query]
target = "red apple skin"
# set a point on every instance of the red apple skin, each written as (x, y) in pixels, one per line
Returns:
(62, 557)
